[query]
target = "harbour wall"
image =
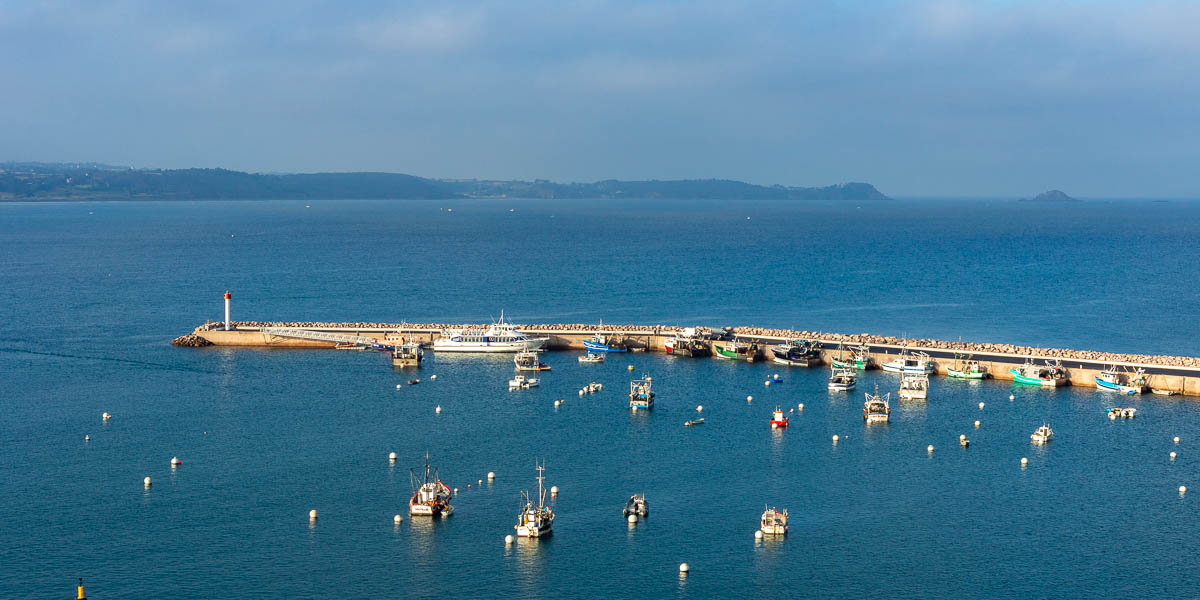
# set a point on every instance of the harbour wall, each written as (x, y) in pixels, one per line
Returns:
(1172, 373)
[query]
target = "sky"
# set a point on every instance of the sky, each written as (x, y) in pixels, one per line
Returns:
(920, 98)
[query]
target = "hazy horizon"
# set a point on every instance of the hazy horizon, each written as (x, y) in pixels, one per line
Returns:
(919, 99)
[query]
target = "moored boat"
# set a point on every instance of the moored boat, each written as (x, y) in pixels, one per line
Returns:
(641, 394)
(774, 522)
(601, 342)
(407, 355)
(687, 343)
(592, 357)
(499, 337)
(529, 360)
(521, 382)
(536, 519)
(431, 497)
(842, 379)
(1113, 380)
(778, 419)
(1051, 374)
(735, 350)
(636, 505)
(802, 353)
(859, 358)
(691, 422)
(914, 386)
(1042, 435)
(877, 409)
(917, 362)
(965, 367)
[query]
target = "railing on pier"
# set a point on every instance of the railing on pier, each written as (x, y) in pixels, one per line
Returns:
(323, 336)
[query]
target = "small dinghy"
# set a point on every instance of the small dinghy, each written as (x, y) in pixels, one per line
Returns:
(1121, 413)
(521, 382)
(636, 505)
(1042, 435)
(691, 422)
(592, 357)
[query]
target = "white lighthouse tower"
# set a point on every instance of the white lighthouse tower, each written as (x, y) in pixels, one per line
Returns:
(227, 297)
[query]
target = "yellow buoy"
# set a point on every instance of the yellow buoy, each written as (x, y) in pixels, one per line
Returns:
(79, 591)
(630, 367)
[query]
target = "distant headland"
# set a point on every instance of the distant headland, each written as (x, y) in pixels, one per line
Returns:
(1051, 196)
(96, 181)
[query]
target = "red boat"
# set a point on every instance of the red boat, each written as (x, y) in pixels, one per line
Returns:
(778, 419)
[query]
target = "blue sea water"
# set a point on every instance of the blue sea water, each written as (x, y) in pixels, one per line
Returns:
(92, 293)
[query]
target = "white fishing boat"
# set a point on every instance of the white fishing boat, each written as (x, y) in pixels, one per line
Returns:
(499, 337)
(914, 386)
(774, 522)
(876, 409)
(1114, 380)
(966, 367)
(529, 360)
(521, 382)
(592, 357)
(536, 519)
(917, 362)
(431, 497)
(1042, 435)
(636, 505)
(407, 355)
(842, 379)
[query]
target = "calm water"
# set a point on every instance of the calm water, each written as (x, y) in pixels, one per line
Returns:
(93, 291)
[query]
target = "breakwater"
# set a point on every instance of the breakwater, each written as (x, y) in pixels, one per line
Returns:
(1174, 373)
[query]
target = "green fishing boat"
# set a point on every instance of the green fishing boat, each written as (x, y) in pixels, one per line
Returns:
(735, 350)
(967, 368)
(859, 359)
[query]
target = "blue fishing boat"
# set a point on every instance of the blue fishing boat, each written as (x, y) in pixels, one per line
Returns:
(602, 343)
(1111, 380)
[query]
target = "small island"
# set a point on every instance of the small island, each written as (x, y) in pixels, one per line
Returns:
(1051, 196)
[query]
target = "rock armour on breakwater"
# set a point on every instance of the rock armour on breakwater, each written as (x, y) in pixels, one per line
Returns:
(191, 340)
(861, 338)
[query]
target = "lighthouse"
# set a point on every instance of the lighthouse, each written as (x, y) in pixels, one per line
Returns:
(227, 297)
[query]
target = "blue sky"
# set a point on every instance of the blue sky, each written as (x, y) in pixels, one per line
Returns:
(920, 98)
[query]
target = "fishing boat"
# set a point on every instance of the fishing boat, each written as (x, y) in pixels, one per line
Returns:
(966, 367)
(521, 382)
(691, 422)
(802, 353)
(535, 519)
(1051, 374)
(499, 337)
(687, 343)
(431, 497)
(778, 419)
(876, 409)
(592, 357)
(774, 522)
(636, 505)
(913, 386)
(917, 362)
(528, 361)
(640, 393)
(407, 355)
(1042, 435)
(601, 342)
(735, 350)
(1162, 392)
(842, 379)
(859, 359)
(1113, 380)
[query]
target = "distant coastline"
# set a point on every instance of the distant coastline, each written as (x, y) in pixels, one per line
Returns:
(1051, 196)
(93, 181)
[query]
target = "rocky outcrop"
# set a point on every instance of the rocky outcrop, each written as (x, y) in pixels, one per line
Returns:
(191, 340)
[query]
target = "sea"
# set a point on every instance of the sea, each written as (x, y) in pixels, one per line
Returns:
(92, 293)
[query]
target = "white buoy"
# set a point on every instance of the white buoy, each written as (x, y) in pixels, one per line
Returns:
(767, 383)
(980, 406)
(976, 424)
(508, 539)
(432, 377)
(774, 425)
(1011, 397)
(455, 491)
(929, 448)
(392, 456)
(1172, 456)
(107, 416)
(399, 386)
(556, 403)
(632, 519)
(1024, 461)
(491, 476)
(749, 398)
(580, 393)
(175, 462)
(633, 408)
(758, 534)
(554, 490)
(479, 482)
(1183, 489)
(396, 519)
(962, 436)
(312, 515)
(700, 408)
(683, 567)
(801, 407)
(146, 481)
(1176, 439)
(87, 438)
(835, 438)
(438, 409)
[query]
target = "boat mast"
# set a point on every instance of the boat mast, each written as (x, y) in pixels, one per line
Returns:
(541, 489)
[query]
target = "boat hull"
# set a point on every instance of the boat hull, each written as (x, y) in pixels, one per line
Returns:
(1108, 386)
(532, 531)
(876, 418)
(857, 365)
(953, 374)
(1027, 380)
(841, 387)
(913, 394)
(731, 352)
(488, 347)
(594, 346)
(774, 530)
(897, 367)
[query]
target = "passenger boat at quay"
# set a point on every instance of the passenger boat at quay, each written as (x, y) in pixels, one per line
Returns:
(407, 355)
(914, 386)
(641, 394)
(592, 357)
(1051, 374)
(917, 362)
(774, 522)
(431, 497)
(1113, 380)
(859, 359)
(965, 367)
(536, 519)
(735, 350)
(636, 505)
(499, 337)
(802, 353)
(1042, 435)
(529, 360)
(876, 409)
(688, 343)
(778, 419)
(842, 379)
